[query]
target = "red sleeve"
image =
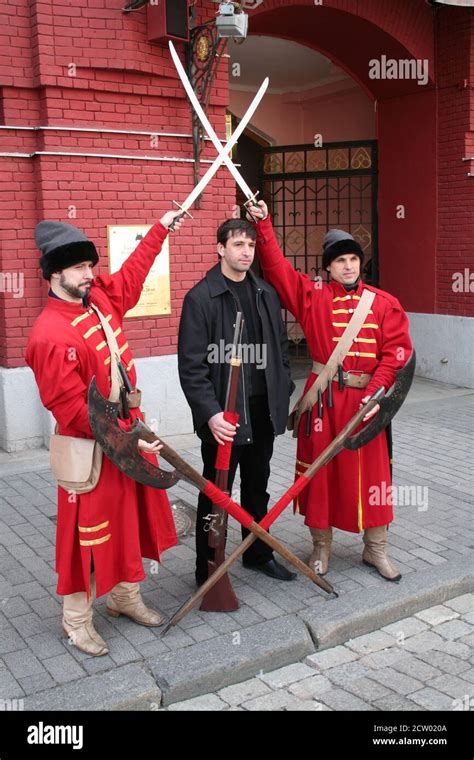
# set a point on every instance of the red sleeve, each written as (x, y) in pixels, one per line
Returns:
(295, 290)
(61, 388)
(125, 286)
(396, 348)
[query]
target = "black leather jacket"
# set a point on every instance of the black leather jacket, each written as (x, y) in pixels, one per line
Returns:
(207, 318)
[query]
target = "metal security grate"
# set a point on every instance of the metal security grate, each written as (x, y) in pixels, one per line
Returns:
(311, 190)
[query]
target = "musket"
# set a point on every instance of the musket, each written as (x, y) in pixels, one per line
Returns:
(221, 597)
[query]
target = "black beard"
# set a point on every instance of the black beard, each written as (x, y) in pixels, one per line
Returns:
(72, 290)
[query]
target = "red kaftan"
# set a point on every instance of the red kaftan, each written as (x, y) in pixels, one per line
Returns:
(350, 492)
(120, 521)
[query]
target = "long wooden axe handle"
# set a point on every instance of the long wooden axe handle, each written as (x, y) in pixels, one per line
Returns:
(329, 452)
(224, 501)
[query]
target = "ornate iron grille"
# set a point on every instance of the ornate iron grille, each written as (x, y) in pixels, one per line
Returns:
(311, 190)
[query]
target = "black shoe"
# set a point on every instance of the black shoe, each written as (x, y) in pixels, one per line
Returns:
(273, 569)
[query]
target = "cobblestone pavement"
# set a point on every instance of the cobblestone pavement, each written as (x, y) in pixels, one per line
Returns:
(433, 527)
(423, 662)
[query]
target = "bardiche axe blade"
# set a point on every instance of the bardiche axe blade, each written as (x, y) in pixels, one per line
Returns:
(121, 446)
(389, 406)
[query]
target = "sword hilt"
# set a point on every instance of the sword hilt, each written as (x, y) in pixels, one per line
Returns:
(251, 201)
(179, 216)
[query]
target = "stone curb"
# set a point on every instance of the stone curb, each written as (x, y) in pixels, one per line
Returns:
(364, 611)
(230, 658)
(127, 687)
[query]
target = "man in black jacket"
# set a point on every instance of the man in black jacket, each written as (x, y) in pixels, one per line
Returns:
(206, 329)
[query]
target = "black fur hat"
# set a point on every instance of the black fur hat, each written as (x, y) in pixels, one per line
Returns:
(62, 246)
(337, 243)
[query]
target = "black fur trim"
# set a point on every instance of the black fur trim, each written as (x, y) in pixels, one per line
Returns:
(339, 249)
(66, 256)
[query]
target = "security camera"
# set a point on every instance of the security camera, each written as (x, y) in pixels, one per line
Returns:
(231, 24)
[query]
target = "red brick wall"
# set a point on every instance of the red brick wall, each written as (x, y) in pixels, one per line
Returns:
(121, 82)
(455, 74)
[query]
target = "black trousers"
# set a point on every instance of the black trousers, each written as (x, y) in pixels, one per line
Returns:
(254, 462)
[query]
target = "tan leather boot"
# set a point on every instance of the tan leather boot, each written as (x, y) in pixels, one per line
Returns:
(125, 599)
(375, 555)
(78, 626)
(322, 541)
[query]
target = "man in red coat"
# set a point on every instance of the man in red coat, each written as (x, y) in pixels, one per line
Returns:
(102, 535)
(352, 492)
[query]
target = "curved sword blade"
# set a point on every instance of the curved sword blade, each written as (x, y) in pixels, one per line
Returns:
(223, 151)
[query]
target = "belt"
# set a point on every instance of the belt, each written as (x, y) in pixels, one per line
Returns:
(352, 378)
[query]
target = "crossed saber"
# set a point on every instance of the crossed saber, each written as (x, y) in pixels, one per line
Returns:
(222, 151)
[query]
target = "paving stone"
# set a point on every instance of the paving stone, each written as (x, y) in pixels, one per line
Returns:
(396, 681)
(46, 644)
(341, 674)
(201, 632)
(14, 606)
(421, 642)
(204, 703)
(468, 675)
(9, 686)
(37, 682)
(405, 628)
(243, 692)
(453, 629)
(63, 668)
(444, 661)
(383, 659)
(456, 648)
(122, 652)
(467, 640)
(280, 700)
(151, 649)
(440, 613)
(10, 640)
(371, 642)
(23, 664)
(330, 658)
(367, 689)
(282, 677)
(431, 699)
(396, 703)
(47, 607)
(453, 685)
(310, 688)
(93, 665)
(416, 668)
(462, 604)
(339, 699)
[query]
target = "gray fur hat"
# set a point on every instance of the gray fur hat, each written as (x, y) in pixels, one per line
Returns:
(337, 243)
(62, 245)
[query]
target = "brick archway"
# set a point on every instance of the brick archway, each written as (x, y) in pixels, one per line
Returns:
(351, 34)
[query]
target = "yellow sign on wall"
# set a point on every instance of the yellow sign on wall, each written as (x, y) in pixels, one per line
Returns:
(156, 294)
